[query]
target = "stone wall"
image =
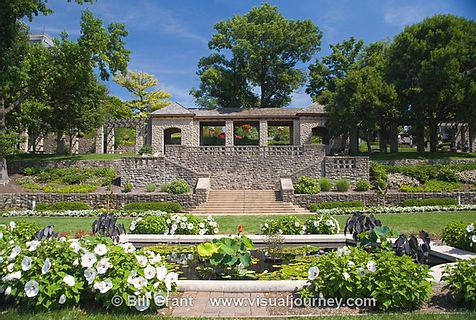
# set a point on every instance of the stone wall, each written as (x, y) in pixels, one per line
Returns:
(144, 170)
(414, 162)
(374, 199)
(352, 168)
(246, 167)
(19, 165)
(97, 201)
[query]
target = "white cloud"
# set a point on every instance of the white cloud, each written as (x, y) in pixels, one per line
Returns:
(300, 99)
(180, 95)
(401, 16)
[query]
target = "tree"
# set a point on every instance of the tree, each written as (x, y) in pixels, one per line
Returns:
(20, 75)
(77, 98)
(324, 75)
(427, 62)
(257, 50)
(116, 109)
(141, 86)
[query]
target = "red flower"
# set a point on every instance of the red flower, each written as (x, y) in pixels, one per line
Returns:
(222, 135)
(237, 136)
(240, 228)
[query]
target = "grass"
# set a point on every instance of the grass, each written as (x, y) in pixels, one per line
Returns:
(59, 157)
(431, 222)
(78, 314)
(412, 154)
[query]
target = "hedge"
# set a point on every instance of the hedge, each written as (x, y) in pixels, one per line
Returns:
(160, 206)
(62, 205)
(335, 204)
(429, 202)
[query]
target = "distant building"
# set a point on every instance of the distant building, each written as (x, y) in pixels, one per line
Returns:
(43, 39)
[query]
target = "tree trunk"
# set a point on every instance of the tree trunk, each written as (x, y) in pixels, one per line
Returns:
(369, 144)
(60, 142)
(433, 137)
(471, 138)
(382, 140)
(4, 179)
(420, 137)
(393, 139)
(354, 140)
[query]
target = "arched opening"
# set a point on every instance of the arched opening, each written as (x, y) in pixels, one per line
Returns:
(320, 135)
(172, 136)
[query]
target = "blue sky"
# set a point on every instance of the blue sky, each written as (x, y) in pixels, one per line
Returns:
(167, 38)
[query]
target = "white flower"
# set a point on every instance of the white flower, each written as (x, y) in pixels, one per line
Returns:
(170, 278)
(103, 286)
(88, 260)
(342, 251)
(100, 249)
(69, 280)
(371, 266)
(200, 225)
(31, 288)
(183, 225)
(12, 225)
(8, 291)
(142, 260)
(128, 247)
(470, 228)
(140, 282)
(296, 224)
(32, 245)
(215, 230)
(190, 226)
(132, 227)
(26, 263)
(161, 272)
(346, 275)
(132, 276)
(329, 223)
(10, 267)
(103, 265)
(351, 263)
(1, 235)
(473, 238)
(316, 223)
(62, 299)
(149, 272)
(15, 252)
(75, 245)
(46, 266)
(12, 276)
(312, 273)
(89, 275)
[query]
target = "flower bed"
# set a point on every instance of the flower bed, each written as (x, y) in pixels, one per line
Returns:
(166, 223)
(415, 209)
(52, 273)
(291, 225)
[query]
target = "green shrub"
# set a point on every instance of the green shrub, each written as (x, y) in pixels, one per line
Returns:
(19, 231)
(145, 150)
(325, 184)
(284, 225)
(460, 280)
(342, 185)
(396, 283)
(322, 224)
(307, 185)
(429, 202)
(179, 186)
(156, 206)
(362, 185)
(172, 223)
(425, 172)
(335, 204)
(378, 172)
(433, 186)
(460, 235)
(150, 187)
(164, 187)
(127, 187)
(62, 206)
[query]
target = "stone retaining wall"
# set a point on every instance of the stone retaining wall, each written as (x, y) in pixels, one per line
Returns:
(374, 199)
(96, 201)
(18, 166)
(414, 162)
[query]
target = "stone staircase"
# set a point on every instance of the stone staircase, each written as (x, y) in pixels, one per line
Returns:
(243, 202)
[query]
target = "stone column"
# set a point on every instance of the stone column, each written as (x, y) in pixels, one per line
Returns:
(40, 143)
(157, 139)
(296, 130)
(229, 133)
(139, 138)
(263, 133)
(99, 140)
(75, 145)
(24, 143)
(110, 140)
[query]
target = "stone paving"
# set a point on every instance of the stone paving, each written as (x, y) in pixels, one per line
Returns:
(202, 306)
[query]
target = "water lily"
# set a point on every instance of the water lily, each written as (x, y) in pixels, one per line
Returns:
(100, 249)
(26, 263)
(69, 280)
(88, 260)
(62, 299)
(312, 273)
(46, 266)
(31, 288)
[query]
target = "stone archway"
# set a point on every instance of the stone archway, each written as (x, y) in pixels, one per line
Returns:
(320, 135)
(172, 136)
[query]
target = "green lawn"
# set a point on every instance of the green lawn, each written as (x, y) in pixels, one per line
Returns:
(57, 157)
(431, 222)
(412, 154)
(76, 314)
